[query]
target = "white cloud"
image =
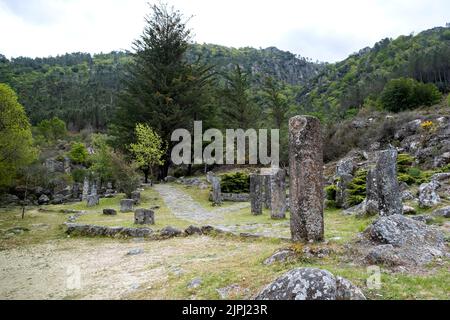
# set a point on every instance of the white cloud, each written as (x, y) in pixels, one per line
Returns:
(319, 29)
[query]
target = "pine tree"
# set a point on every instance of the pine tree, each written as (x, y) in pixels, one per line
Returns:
(162, 89)
(238, 107)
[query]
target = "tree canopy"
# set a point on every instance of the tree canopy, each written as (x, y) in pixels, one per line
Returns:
(16, 143)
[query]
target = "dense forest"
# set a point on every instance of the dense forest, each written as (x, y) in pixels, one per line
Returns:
(82, 89)
(343, 88)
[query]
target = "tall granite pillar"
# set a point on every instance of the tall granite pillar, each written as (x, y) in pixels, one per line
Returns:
(256, 193)
(216, 190)
(306, 175)
(389, 197)
(277, 190)
(85, 189)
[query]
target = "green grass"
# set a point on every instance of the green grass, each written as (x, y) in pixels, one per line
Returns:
(224, 260)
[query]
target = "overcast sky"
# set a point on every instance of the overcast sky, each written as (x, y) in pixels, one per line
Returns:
(318, 29)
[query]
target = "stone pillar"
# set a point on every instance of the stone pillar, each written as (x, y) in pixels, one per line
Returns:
(389, 197)
(342, 195)
(136, 196)
(371, 202)
(277, 190)
(126, 205)
(92, 200)
(306, 179)
(85, 189)
(144, 216)
(216, 190)
(256, 193)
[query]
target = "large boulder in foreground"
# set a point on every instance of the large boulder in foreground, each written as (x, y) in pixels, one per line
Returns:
(399, 240)
(310, 284)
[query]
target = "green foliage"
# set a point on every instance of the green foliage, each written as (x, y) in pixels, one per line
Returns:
(52, 129)
(404, 162)
(78, 153)
(16, 143)
(124, 174)
(238, 108)
(163, 89)
(407, 172)
(101, 160)
(331, 192)
(357, 188)
(405, 93)
(78, 175)
(149, 149)
(448, 100)
(363, 75)
(238, 182)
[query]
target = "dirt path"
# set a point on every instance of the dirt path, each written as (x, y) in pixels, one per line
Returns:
(102, 268)
(184, 207)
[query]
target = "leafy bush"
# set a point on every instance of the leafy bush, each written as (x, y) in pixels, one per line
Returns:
(407, 172)
(331, 192)
(78, 153)
(238, 182)
(78, 175)
(52, 129)
(357, 188)
(124, 174)
(404, 162)
(448, 100)
(406, 93)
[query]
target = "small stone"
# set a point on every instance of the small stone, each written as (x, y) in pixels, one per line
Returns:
(409, 210)
(170, 232)
(442, 212)
(191, 230)
(195, 283)
(109, 212)
(135, 252)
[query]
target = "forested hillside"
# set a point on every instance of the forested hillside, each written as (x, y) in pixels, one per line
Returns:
(82, 89)
(343, 88)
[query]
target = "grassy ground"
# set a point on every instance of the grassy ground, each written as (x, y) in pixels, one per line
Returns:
(165, 268)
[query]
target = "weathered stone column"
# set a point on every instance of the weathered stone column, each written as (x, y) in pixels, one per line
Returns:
(216, 190)
(389, 197)
(85, 189)
(371, 202)
(256, 193)
(306, 175)
(277, 190)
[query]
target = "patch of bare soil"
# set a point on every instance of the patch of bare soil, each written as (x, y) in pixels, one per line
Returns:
(89, 268)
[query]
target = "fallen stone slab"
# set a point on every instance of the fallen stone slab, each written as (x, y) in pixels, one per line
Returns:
(310, 284)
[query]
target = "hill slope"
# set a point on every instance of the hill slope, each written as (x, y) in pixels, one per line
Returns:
(361, 77)
(81, 89)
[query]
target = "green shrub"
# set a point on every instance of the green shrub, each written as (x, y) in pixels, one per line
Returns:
(448, 100)
(78, 175)
(78, 153)
(404, 177)
(238, 182)
(357, 188)
(406, 93)
(52, 129)
(404, 161)
(331, 192)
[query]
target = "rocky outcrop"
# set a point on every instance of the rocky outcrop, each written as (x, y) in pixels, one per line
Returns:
(428, 195)
(389, 198)
(310, 284)
(399, 240)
